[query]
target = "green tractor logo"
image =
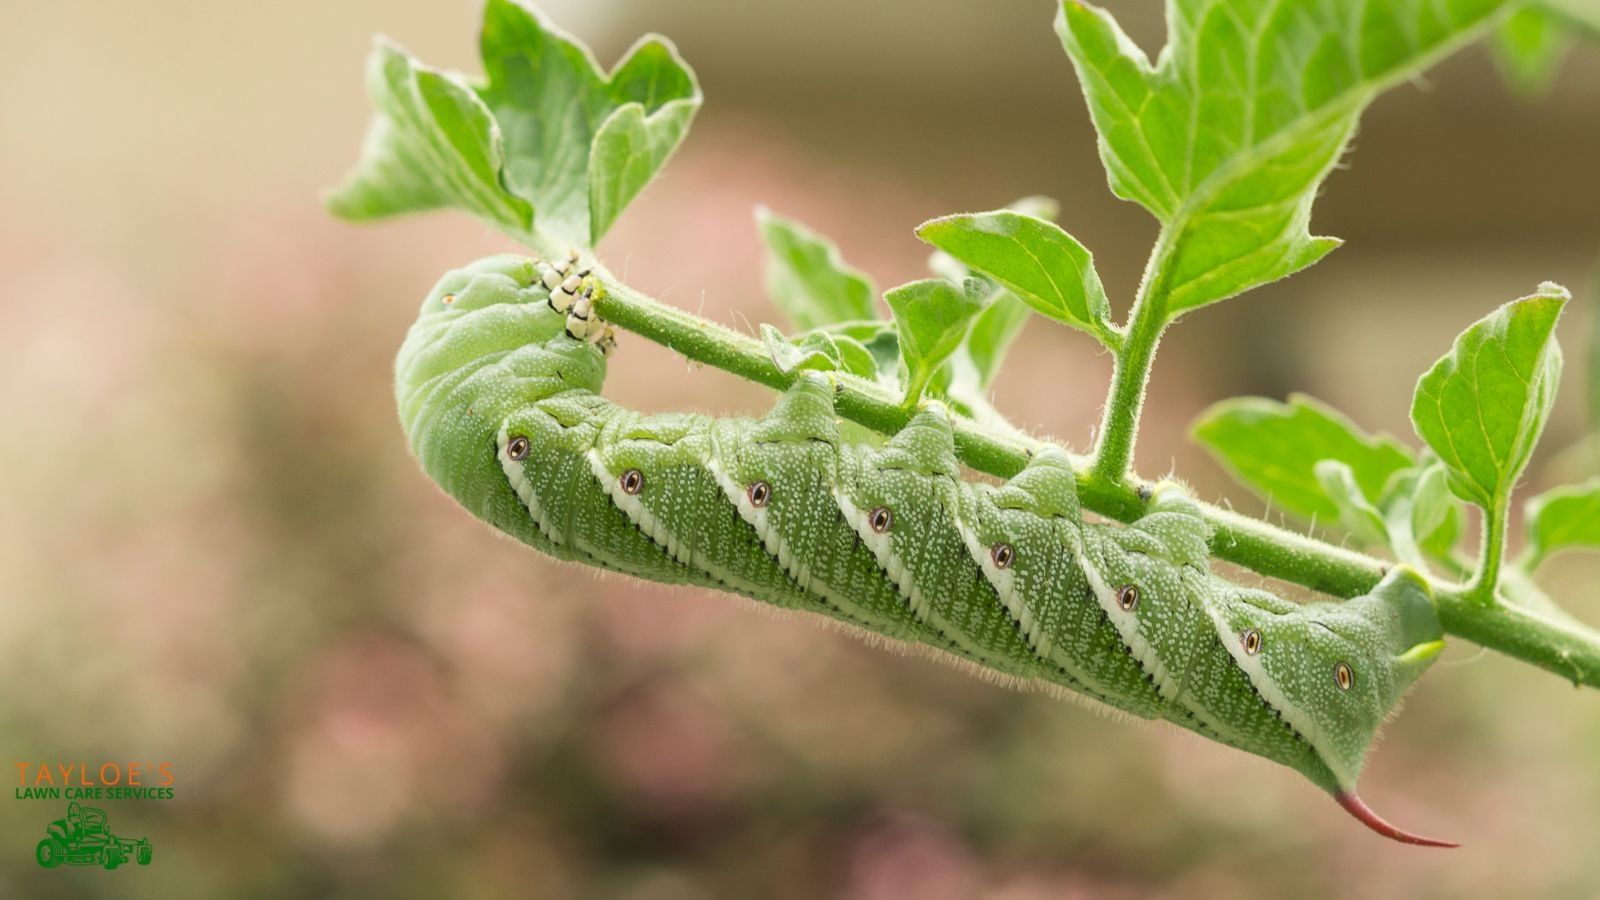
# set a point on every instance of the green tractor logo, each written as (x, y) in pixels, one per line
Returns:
(81, 839)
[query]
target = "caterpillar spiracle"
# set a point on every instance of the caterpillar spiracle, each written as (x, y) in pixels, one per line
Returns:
(498, 389)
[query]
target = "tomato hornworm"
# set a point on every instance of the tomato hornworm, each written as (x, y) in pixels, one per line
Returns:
(498, 389)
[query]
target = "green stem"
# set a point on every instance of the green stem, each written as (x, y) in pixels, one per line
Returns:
(1487, 578)
(1565, 648)
(1119, 420)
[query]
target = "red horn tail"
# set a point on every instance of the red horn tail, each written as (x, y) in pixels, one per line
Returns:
(1354, 806)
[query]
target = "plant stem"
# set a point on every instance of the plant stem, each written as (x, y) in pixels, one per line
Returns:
(1119, 420)
(1565, 648)
(1487, 578)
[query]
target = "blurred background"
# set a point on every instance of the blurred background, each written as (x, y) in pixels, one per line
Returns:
(215, 551)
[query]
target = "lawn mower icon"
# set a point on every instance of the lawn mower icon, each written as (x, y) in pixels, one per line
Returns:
(81, 839)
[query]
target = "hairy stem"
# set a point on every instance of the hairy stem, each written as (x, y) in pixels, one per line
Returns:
(1562, 647)
(1119, 420)
(1487, 578)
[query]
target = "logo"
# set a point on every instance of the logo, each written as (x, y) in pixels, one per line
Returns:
(82, 839)
(77, 781)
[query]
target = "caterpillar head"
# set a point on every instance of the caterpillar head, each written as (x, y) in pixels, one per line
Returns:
(1336, 671)
(486, 342)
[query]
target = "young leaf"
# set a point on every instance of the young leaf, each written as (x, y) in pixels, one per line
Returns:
(1482, 406)
(973, 367)
(808, 279)
(580, 144)
(1564, 518)
(1043, 265)
(880, 340)
(1422, 517)
(932, 316)
(815, 351)
(1436, 518)
(1036, 205)
(1356, 513)
(867, 349)
(432, 144)
(857, 358)
(1273, 449)
(1227, 137)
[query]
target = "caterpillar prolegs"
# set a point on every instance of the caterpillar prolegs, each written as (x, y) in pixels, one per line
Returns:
(498, 389)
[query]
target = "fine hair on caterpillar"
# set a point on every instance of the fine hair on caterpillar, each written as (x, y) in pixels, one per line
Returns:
(498, 386)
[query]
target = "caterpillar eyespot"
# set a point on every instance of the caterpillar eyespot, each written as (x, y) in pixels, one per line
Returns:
(759, 493)
(973, 572)
(1001, 554)
(631, 482)
(448, 299)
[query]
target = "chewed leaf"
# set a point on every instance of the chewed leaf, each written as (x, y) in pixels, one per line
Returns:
(932, 317)
(808, 279)
(1033, 258)
(580, 144)
(1228, 135)
(432, 144)
(1565, 518)
(1483, 405)
(1273, 448)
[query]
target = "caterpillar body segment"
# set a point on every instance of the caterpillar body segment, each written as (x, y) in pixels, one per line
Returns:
(500, 398)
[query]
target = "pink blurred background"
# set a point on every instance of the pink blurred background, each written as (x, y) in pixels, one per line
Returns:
(215, 550)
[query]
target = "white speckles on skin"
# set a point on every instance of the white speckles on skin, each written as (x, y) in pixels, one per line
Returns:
(756, 517)
(523, 487)
(1004, 582)
(634, 509)
(1253, 665)
(882, 546)
(1127, 625)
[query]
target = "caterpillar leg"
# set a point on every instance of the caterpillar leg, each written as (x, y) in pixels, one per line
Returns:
(573, 290)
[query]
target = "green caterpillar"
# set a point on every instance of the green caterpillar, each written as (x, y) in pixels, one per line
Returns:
(498, 389)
